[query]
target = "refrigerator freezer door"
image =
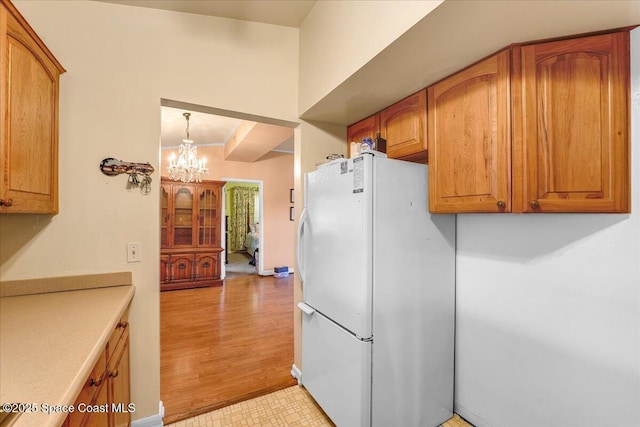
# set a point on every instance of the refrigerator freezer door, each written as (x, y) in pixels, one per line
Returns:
(336, 371)
(336, 243)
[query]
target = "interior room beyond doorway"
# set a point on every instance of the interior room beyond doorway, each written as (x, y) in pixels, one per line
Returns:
(243, 223)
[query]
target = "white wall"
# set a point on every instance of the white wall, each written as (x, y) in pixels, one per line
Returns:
(339, 37)
(120, 62)
(548, 313)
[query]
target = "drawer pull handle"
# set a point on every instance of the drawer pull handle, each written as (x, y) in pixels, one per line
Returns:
(114, 374)
(182, 266)
(6, 202)
(95, 383)
(206, 264)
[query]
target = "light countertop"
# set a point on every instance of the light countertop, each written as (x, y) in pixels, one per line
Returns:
(49, 343)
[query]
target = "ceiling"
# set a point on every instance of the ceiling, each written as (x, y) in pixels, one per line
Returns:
(451, 37)
(247, 140)
(244, 140)
(289, 13)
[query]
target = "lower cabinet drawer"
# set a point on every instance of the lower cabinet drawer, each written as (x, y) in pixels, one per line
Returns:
(118, 334)
(90, 390)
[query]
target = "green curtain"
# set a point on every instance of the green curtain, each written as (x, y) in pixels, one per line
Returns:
(243, 199)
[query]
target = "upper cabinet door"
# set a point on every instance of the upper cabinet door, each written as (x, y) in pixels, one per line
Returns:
(404, 126)
(571, 108)
(366, 128)
(469, 139)
(29, 111)
(209, 204)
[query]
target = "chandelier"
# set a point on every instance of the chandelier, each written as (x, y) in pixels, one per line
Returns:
(187, 168)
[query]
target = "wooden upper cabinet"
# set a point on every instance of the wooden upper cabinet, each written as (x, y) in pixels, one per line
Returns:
(469, 141)
(29, 82)
(546, 130)
(404, 126)
(366, 128)
(571, 125)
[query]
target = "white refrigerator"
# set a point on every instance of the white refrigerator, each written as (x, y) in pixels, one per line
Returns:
(378, 284)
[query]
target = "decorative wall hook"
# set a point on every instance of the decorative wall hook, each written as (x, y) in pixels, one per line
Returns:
(113, 167)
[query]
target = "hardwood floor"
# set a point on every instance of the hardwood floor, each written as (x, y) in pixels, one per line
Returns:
(225, 344)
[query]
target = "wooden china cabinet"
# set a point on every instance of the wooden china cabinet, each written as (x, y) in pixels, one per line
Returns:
(190, 228)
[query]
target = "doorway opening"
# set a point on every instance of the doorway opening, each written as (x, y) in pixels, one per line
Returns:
(224, 344)
(242, 206)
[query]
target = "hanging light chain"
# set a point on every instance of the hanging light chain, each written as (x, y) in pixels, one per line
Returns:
(186, 116)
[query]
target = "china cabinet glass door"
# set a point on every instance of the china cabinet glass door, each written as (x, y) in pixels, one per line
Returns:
(164, 216)
(183, 216)
(207, 217)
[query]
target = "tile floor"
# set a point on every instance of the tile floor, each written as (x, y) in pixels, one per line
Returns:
(290, 407)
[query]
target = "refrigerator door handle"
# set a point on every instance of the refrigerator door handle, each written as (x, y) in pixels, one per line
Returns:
(306, 309)
(303, 219)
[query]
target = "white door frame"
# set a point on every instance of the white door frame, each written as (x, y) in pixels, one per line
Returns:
(261, 270)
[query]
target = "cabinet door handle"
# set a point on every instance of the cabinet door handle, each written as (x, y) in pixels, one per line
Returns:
(122, 325)
(206, 264)
(114, 374)
(500, 204)
(534, 204)
(6, 202)
(95, 383)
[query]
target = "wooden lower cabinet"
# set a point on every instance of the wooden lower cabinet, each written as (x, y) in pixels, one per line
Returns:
(99, 417)
(189, 270)
(94, 388)
(118, 385)
(207, 267)
(165, 272)
(181, 268)
(104, 400)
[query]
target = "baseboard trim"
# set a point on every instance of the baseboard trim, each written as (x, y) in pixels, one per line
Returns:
(271, 272)
(296, 373)
(469, 416)
(152, 421)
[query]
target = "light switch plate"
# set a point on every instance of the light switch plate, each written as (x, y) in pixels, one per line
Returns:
(134, 253)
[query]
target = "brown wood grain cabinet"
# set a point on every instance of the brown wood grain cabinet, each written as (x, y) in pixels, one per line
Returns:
(93, 390)
(366, 128)
(190, 228)
(106, 391)
(469, 140)
(571, 125)
(29, 87)
(118, 375)
(403, 125)
(544, 130)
